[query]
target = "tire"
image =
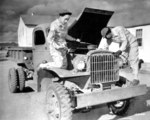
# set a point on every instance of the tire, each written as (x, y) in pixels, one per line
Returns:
(58, 103)
(21, 76)
(12, 80)
(45, 83)
(119, 110)
(122, 109)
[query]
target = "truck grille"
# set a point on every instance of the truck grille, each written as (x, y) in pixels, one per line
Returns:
(103, 68)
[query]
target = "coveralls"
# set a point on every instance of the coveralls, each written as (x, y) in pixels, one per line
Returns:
(127, 44)
(57, 45)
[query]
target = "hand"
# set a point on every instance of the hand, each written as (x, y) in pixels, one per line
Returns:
(116, 54)
(63, 49)
(78, 40)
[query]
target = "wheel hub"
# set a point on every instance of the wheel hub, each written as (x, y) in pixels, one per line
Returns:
(119, 104)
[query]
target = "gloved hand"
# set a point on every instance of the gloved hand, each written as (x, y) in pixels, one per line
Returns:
(116, 54)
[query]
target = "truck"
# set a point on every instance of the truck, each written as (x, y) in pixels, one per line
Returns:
(90, 79)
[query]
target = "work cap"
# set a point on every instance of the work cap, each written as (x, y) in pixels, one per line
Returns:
(65, 12)
(105, 31)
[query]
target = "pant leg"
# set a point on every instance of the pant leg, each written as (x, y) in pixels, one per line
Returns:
(134, 60)
(135, 68)
(63, 54)
(59, 60)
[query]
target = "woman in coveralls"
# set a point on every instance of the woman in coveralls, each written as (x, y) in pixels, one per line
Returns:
(57, 41)
(128, 47)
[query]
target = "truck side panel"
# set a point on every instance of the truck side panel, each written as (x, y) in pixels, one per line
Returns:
(23, 56)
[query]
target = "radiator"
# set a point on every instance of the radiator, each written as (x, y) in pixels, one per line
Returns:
(103, 68)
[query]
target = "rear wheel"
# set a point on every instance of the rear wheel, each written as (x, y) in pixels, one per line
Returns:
(119, 107)
(12, 80)
(21, 76)
(58, 103)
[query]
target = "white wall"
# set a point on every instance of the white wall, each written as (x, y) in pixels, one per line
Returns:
(144, 50)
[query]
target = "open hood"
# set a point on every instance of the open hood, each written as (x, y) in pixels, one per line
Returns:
(89, 25)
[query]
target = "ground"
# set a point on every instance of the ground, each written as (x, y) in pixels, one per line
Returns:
(30, 105)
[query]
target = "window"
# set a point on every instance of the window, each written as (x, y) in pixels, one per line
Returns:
(39, 38)
(139, 36)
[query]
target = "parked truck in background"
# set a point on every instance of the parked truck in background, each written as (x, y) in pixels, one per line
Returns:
(91, 78)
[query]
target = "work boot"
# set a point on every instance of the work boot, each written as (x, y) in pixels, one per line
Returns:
(134, 82)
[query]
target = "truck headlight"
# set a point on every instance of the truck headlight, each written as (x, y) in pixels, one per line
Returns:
(25, 58)
(81, 65)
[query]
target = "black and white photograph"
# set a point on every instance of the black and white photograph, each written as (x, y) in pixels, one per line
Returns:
(74, 60)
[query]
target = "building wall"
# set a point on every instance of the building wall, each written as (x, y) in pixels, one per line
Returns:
(144, 50)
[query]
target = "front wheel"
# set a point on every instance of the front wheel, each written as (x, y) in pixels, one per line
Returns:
(58, 103)
(119, 107)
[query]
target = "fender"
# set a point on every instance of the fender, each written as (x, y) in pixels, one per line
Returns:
(62, 73)
(57, 73)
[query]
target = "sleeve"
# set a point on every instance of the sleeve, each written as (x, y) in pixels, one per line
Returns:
(51, 33)
(123, 39)
(70, 38)
(103, 44)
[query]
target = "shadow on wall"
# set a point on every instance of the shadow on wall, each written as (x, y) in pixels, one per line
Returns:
(140, 104)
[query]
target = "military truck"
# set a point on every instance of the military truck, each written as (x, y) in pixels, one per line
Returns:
(91, 78)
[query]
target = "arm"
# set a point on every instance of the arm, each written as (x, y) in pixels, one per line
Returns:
(50, 36)
(123, 45)
(124, 40)
(70, 38)
(51, 33)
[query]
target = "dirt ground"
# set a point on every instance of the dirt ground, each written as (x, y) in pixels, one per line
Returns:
(30, 105)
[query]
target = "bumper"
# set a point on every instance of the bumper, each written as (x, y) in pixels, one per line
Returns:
(102, 97)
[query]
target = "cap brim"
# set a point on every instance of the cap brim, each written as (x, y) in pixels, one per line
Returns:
(65, 13)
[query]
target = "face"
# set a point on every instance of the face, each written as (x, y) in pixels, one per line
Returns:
(109, 36)
(64, 19)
